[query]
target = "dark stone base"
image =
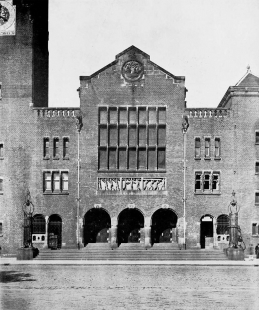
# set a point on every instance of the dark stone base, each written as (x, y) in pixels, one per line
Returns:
(25, 254)
(235, 254)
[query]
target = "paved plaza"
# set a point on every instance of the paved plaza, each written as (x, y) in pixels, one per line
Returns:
(129, 286)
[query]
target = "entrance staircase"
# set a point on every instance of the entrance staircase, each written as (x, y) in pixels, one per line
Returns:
(132, 252)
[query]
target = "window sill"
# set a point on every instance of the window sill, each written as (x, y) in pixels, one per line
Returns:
(207, 193)
(131, 171)
(207, 158)
(46, 158)
(55, 193)
(255, 236)
(197, 158)
(65, 158)
(56, 158)
(217, 158)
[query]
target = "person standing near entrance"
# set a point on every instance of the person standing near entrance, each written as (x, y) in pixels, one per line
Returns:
(257, 251)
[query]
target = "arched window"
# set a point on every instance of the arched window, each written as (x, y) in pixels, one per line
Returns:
(222, 224)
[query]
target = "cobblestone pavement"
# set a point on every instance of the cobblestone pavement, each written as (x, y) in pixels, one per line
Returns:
(129, 287)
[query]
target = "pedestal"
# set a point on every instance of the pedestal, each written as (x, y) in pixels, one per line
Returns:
(113, 237)
(25, 254)
(147, 231)
(235, 253)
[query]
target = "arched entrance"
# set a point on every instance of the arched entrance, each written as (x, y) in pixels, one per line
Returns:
(55, 227)
(129, 224)
(96, 226)
(163, 228)
(38, 224)
(223, 225)
(206, 225)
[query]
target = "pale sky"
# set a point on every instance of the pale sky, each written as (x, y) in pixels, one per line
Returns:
(210, 42)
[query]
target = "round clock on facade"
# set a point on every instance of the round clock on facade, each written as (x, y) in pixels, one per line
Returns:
(7, 15)
(132, 70)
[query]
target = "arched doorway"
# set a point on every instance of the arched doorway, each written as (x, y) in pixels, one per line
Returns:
(206, 229)
(163, 228)
(96, 226)
(55, 227)
(38, 224)
(129, 224)
(223, 225)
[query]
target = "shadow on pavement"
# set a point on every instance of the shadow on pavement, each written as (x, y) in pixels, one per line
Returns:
(13, 276)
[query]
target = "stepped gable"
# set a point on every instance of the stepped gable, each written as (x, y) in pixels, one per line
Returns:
(134, 54)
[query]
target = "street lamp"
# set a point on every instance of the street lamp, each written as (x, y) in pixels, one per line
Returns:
(185, 126)
(28, 209)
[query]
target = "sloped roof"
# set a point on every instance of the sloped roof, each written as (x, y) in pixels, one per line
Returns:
(249, 80)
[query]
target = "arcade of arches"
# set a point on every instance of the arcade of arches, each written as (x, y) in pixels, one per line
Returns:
(131, 227)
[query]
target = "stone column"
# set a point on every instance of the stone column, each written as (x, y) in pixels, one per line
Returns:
(147, 232)
(113, 233)
(215, 237)
(46, 234)
(81, 232)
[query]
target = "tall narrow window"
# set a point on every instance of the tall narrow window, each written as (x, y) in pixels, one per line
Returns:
(102, 158)
(142, 136)
(215, 182)
(197, 148)
(113, 136)
(132, 159)
(142, 159)
(47, 181)
(102, 135)
(65, 147)
(64, 179)
(257, 137)
(207, 147)
(257, 167)
(152, 159)
(198, 181)
(1, 185)
(46, 147)
(257, 198)
(161, 158)
(206, 181)
(217, 147)
(1, 150)
(56, 148)
(112, 159)
(1, 229)
(161, 135)
(56, 181)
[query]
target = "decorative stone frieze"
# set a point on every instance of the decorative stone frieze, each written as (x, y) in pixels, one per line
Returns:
(132, 184)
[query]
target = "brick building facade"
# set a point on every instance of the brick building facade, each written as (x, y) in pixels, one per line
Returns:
(121, 168)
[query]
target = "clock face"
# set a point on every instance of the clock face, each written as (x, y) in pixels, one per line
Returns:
(7, 16)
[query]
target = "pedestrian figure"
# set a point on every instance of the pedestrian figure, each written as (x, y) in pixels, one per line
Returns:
(257, 251)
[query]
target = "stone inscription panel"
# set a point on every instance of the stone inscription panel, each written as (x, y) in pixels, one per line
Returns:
(132, 184)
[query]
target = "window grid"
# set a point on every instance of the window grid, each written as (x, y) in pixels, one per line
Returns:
(129, 134)
(55, 181)
(207, 182)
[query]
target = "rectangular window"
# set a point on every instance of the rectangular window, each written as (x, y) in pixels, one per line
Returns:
(55, 181)
(207, 182)
(123, 119)
(1, 150)
(1, 185)
(161, 115)
(152, 159)
(142, 136)
(207, 147)
(257, 167)
(132, 159)
(1, 229)
(65, 147)
(113, 136)
(130, 133)
(197, 148)
(122, 159)
(257, 198)
(142, 159)
(46, 147)
(112, 159)
(255, 228)
(64, 179)
(103, 136)
(217, 147)
(56, 148)
(198, 181)
(161, 135)
(257, 137)
(47, 181)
